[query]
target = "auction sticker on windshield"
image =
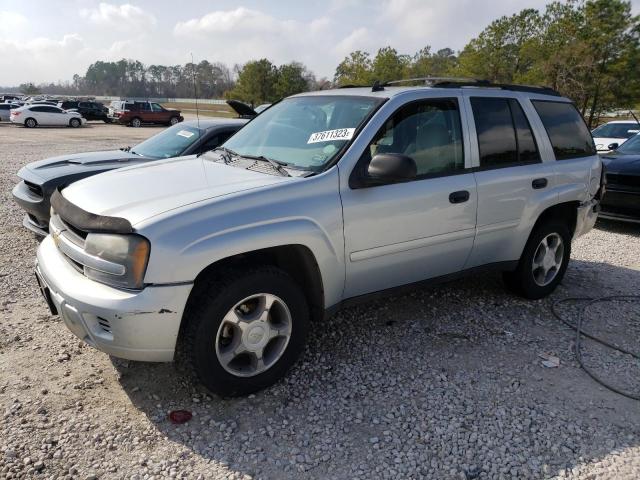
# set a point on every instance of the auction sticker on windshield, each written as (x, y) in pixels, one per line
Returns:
(331, 135)
(186, 133)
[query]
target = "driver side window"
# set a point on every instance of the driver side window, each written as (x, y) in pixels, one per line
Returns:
(429, 131)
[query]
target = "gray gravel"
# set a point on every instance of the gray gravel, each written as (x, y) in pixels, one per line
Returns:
(444, 383)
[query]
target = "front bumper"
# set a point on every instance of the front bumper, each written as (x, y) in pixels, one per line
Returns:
(621, 204)
(136, 325)
(36, 206)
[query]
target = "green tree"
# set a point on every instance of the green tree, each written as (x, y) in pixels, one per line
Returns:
(29, 89)
(291, 78)
(354, 69)
(256, 82)
(388, 65)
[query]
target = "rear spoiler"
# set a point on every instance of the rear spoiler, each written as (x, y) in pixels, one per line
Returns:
(87, 221)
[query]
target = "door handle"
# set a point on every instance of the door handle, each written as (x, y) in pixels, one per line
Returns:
(459, 197)
(539, 183)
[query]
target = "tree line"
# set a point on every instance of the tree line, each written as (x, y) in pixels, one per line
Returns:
(587, 50)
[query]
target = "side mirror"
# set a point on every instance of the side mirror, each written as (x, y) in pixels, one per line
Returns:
(391, 168)
(613, 146)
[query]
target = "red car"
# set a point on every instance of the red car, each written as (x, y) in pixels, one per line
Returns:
(137, 113)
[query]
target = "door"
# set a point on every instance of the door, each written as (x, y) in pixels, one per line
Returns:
(158, 114)
(513, 181)
(401, 233)
(57, 116)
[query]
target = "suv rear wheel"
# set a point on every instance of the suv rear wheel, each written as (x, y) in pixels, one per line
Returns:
(245, 330)
(136, 122)
(543, 262)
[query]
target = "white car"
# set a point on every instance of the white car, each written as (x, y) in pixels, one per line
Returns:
(5, 110)
(46, 115)
(616, 132)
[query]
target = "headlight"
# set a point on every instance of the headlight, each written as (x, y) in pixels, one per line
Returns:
(125, 259)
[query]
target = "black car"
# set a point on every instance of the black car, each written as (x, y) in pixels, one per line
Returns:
(622, 169)
(89, 110)
(41, 178)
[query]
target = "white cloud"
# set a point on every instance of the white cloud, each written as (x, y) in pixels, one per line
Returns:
(123, 17)
(44, 59)
(11, 23)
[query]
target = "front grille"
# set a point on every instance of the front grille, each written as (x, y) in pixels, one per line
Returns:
(33, 188)
(625, 181)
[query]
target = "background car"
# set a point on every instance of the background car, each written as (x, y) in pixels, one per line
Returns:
(46, 115)
(621, 200)
(5, 111)
(40, 179)
(88, 110)
(135, 114)
(614, 132)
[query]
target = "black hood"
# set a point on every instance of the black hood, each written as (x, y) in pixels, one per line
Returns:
(621, 164)
(242, 109)
(72, 164)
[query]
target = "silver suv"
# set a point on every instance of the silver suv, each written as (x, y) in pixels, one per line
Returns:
(324, 199)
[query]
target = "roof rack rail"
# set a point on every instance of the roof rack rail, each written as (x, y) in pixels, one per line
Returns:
(502, 86)
(431, 80)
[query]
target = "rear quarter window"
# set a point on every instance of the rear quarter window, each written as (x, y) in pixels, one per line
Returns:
(568, 134)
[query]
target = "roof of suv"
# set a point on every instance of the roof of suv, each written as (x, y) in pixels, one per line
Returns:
(392, 91)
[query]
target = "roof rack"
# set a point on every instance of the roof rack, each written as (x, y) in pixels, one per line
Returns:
(502, 86)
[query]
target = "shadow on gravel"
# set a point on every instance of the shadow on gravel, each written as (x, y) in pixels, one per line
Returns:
(445, 382)
(624, 228)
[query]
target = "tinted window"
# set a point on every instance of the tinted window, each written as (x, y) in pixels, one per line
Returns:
(428, 131)
(496, 134)
(51, 110)
(631, 146)
(4, 107)
(527, 148)
(617, 130)
(156, 107)
(567, 131)
(38, 109)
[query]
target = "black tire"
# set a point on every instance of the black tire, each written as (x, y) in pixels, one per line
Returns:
(75, 123)
(174, 121)
(136, 122)
(107, 120)
(522, 281)
(30, 123)
(208, 305)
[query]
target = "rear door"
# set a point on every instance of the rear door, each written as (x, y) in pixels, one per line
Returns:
(513, 177)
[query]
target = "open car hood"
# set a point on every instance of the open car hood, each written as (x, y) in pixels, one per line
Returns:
(242, 109)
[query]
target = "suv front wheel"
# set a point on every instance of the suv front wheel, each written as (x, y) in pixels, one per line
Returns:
(245, 329)
(543, 262)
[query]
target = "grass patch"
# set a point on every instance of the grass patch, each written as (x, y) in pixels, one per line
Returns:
(204, 109)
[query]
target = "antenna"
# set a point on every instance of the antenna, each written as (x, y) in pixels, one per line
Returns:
(195, 93)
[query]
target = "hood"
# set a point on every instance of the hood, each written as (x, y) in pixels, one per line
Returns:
(242, 109)
(622, 164)
(55, 166)
(602, 143)
(140, 192)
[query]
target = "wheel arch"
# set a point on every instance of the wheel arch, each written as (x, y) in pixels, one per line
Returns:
(566, 212)
(295, 259)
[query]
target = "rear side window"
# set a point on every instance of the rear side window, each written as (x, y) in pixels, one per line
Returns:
(504, 134)
(567, 131)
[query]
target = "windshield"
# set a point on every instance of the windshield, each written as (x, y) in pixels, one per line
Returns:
(303, 132)
(630, 147)
(616, 130)
(171, 142)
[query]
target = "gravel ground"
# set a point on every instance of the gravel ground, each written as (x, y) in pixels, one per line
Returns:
(442, 383)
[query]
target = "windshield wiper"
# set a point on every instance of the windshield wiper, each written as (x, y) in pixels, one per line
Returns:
(125, 149)
(277, 165)
(227, 153)
(135, 153)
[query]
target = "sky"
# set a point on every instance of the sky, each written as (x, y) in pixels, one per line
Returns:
(51, 40)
